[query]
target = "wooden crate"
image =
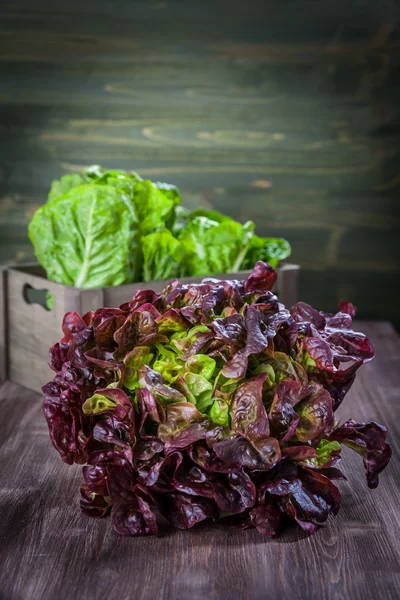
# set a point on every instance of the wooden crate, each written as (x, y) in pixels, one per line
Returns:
(27, 330)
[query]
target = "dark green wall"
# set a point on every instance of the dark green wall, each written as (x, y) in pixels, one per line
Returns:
(284, 112)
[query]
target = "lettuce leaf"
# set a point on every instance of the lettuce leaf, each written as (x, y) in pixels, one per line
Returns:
(211, 247)
(88, 237)
(64, 185)
(269, 250)
(159, 238)
(155, 206)
(162, 256)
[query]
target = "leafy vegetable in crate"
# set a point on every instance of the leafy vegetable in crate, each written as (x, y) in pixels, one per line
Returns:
(209, 401)
(102, 228)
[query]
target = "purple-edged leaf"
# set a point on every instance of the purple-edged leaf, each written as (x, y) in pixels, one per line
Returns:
(104, 365)
(108, 400)
(217, 433)
(171, 295)
(287, 506)
(257, 339)
(58, 355)
(96, 472)
(192, 303)
(115, 431)
(257, 333)
(110, 457)
(320, 352)
(299, 453)
(207, 459)
(94, 505)
(171, 322)
(355, 344)
(183, 426)
(96, 478)
(339, 321)
(261, 279)
(139, 329)
(68, 430)
(131, 512)
(291, 391)
(236, 368)
(266, 519)
(234, 492)
(190, 479)
(184, 511)
(231, 330)
(348, 308)
(154, 382)
(103, 359)
(159, 472)
(316, 414)
(214, 302)
(286, 335)
(327, 454)
(248, 414)
(149, 308)
(312, 500)
(337, 388)
(238, 452)
(133, 361)
(146, 448)
(81, 342)
(141, 297)
(249, 418)
(304, 313)
(368, 440)
(106, 321)
(192, 314)
(71, 325)
(267, 302)
(318, 485)
(284, 419)
(194, 342)
(282, 480)
(149, 408)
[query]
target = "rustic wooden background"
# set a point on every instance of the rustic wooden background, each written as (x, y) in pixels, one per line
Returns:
(284, 112)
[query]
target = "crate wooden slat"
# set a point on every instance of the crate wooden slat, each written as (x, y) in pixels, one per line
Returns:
(28, 330)
(32, 329)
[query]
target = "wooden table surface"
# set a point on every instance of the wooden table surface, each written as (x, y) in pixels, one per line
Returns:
(49, 550)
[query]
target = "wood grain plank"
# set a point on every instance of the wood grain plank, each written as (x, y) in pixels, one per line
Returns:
(305, 100)
(50, 551)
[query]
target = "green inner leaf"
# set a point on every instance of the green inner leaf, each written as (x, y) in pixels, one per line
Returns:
(97, 404)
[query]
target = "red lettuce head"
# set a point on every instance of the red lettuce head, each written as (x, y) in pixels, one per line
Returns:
(209, 401)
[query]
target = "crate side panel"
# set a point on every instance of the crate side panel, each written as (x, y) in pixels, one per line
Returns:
(91, 300)
(287, 285)
(33, 329)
